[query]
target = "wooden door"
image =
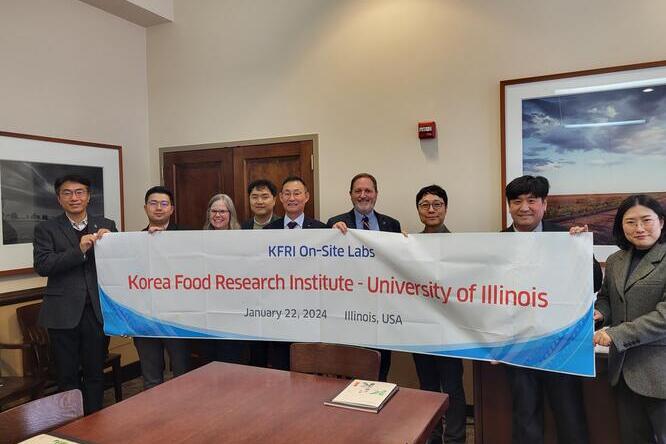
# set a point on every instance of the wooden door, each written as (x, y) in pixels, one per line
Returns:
(194, 177)
(274, 162)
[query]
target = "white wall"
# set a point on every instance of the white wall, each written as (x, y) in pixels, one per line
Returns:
(72, 71)
(362, 73)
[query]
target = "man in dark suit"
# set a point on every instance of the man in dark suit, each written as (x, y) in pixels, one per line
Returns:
(294, 195)
(159, 206)
(363, 194)
(63, 251)
(527, 199)
(262, 195)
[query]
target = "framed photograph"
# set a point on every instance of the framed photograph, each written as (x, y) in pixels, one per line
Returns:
(598, 136)
(29, 165)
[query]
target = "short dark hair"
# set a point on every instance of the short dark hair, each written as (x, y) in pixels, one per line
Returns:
(159, 189)
(631, 201)
(432, 189)
(535, 185)
(262, 183)
(294, 179)
(70, 178)
(361, 176)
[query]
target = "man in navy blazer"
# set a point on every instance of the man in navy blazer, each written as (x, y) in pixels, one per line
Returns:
(63, 251)
(363, 194)
(294, 195)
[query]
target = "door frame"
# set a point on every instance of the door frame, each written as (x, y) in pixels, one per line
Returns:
(314, 138)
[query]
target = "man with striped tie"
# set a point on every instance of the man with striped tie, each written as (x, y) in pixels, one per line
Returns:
(363, 193)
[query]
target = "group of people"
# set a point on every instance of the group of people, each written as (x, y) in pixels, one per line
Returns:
(631, 302)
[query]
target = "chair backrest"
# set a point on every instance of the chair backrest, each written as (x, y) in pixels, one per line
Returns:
(40, 361)
(341, 361)
(40, 416)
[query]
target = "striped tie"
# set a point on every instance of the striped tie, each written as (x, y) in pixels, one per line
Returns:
(292, 225)
(366, 223)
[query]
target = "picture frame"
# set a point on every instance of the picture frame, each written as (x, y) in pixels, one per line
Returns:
(29, 165)
(597, 135)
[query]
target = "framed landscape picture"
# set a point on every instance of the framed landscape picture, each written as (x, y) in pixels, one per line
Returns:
(29, 165)
(598, 136)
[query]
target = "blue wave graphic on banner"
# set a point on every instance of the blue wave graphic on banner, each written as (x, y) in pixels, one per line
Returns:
(569, 350)
(122, 320)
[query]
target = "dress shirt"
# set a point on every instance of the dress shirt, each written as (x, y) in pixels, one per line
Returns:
(372, 220)
(299, 220)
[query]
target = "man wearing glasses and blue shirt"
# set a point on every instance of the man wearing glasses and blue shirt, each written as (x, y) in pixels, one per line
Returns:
(363, 193)
(159, 206)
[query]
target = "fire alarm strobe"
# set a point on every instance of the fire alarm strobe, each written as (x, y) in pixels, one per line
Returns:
(427, 130)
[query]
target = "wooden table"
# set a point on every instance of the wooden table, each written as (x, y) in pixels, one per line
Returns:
(232, 403)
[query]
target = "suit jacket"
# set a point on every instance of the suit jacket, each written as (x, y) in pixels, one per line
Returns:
(596, 267)
(635, 310)
(308, 223)
(71, 277)
(249, 224)
(386, 223)
(170, 227)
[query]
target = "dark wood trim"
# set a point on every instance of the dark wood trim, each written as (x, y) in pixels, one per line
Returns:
(503, 153)
(58, 140)
(16, 271)
(73, 142)
(582, 73)
(17, 297)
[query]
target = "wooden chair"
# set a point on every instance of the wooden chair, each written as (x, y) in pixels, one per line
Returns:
(41, 361)
(40, 416)
(340, 361)
(13, 388)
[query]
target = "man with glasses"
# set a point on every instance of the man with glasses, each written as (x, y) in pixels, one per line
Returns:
(262, 195)
(363, 194)
(159, 206)
(439, 373)
(294, 196)
(64, 252)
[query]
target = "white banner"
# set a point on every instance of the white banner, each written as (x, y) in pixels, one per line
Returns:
(520, 298)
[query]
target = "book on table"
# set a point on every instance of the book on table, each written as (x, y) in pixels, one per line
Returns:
(366, 396)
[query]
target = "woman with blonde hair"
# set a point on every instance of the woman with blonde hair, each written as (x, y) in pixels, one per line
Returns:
(221, 215)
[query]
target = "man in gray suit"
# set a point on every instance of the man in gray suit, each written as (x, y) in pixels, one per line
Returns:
(63, 251)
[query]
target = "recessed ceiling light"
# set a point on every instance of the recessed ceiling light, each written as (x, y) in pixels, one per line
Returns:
(648, 90)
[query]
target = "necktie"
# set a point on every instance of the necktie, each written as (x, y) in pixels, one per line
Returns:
(292, 225)
(366, 223)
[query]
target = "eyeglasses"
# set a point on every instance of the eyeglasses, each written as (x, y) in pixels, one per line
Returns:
(219, 212)
(645, 223)
(435, 205)
(159, 203)
(296, 194)
(79, 192)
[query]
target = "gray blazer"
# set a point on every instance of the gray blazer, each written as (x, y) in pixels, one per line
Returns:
(635, 310)
(71, 278)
